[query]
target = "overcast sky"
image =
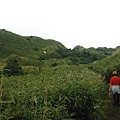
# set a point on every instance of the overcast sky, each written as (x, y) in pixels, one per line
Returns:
(89, 23)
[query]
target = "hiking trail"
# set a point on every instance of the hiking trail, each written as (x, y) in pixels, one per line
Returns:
(113, 111)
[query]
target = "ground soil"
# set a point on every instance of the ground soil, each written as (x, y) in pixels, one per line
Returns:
(113, 111)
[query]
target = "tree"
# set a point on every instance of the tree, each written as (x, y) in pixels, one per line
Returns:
(13, 68)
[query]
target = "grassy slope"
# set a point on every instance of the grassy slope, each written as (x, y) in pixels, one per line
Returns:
(63, 73)
(30, 47)
(54, 88)
(107, 65)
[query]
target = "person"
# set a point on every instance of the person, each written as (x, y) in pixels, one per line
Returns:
(115, 87)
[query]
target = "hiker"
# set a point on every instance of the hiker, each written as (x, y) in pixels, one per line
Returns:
(115, 87)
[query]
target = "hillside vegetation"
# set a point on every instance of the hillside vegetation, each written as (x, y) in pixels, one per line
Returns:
(61, 92)
(42, 80)
(32, 47)
(106, 66)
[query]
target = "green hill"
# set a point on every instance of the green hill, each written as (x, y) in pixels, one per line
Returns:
(55, 89)
(30, 46)
(101, 52)
(106, 66)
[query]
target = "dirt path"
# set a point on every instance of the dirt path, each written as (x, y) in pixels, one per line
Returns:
(113, 111)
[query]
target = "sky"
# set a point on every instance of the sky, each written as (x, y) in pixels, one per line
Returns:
(88, 23)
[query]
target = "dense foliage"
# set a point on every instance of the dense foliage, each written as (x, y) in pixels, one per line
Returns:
(32, 47)
(106, 66)
(63, 92)
(84, 56)
(59, 84)
(12, 68)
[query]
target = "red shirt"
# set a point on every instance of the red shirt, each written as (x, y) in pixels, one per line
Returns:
(115, 80)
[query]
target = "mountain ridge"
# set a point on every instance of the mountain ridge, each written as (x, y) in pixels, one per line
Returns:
(11, 43)
(32, 47)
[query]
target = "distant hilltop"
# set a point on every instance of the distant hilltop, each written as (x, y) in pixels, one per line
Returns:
(32, 47)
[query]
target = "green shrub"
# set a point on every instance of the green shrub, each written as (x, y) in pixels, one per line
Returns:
(13, 68)
(69, 93)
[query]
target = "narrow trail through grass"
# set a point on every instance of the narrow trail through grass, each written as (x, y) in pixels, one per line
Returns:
(113, 111)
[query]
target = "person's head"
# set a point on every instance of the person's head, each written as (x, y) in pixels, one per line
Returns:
(114, 73)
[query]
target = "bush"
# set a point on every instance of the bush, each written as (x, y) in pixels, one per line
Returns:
(70, 93)
(13, 68)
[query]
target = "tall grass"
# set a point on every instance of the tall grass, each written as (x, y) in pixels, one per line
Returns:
(61, 92)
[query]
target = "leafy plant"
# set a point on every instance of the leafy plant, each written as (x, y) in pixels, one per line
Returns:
(62, 92)
(13, 68)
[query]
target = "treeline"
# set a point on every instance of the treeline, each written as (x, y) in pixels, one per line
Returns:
(84, 56)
